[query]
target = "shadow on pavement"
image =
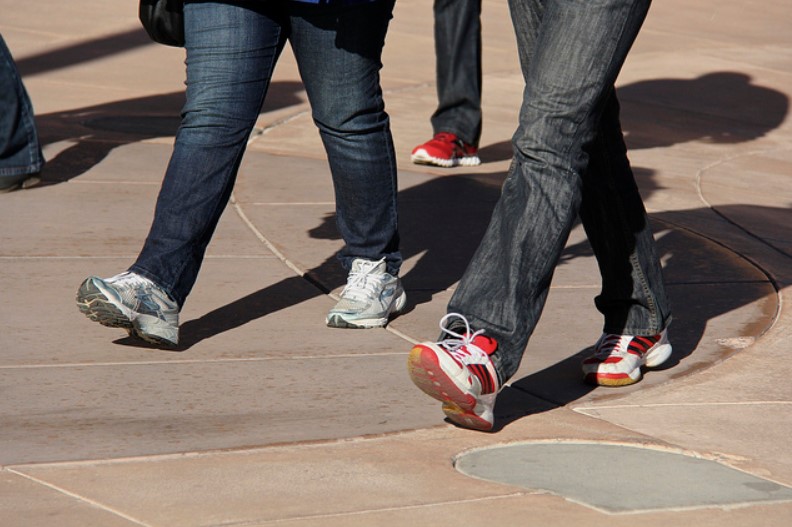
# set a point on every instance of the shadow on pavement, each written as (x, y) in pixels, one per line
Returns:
(84, 51)
(443, 219)
(95, 131)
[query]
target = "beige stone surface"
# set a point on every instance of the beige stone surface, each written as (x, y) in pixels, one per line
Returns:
(267, 417)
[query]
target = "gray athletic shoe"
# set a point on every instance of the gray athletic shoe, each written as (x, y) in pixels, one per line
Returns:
(131, 302)
(22, 181)
(369, 298)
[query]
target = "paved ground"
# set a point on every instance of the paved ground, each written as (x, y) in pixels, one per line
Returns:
(264, 416)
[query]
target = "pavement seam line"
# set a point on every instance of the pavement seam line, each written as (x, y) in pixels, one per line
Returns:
(200, 361)
(699, 190)
(583, 409)
(216, 452)
(79, 497)
(752, 261)
(374, 511)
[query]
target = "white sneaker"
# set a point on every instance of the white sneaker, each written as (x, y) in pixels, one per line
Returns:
(131, 302)
(458, 371)
(618, 359)
(369, 298)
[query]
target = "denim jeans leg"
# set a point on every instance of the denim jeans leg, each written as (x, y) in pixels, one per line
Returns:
(338, 52)
(20, 151)
(457, 37)
(571, 53)
(633, 299)
(231, 52)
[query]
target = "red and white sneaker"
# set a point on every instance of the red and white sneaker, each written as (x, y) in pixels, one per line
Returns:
(446, 150)
(458, 372)
(618, 359)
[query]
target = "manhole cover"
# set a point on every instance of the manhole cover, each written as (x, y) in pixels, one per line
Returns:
(620, 479)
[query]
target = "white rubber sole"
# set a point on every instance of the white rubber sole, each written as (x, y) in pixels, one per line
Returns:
(339, 320)
(421, 157)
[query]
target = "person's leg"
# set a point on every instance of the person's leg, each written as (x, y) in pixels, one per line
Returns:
(570, 70)
(633, 298)
(456, 123)
(571, 53)
(338, 51)
(231, 52)
(457, 36)
(20, 151)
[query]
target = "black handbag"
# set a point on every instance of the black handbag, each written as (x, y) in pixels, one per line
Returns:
(163, 20)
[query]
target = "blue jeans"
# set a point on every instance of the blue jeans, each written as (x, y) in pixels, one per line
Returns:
(20, 152)
(457, 36)
(569, 158)
(232, 48)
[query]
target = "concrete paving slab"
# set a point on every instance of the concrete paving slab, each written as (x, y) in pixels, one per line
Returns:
(770, 211)
(409, 471)
(24, 502)
(35, 332)
(241, 489)
(122, 410)
(107, 412)
(267, 179)
(730, 22)
(414, 482)
(534, 511)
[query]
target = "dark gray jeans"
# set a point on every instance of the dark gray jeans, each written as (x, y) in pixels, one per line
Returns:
(457, 34)
(569, 159)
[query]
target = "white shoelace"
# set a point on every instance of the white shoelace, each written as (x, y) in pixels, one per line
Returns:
(361, 284)
(461, 346)
(134, 288)
(128, 278)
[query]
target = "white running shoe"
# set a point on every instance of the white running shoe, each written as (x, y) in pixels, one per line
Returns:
(459, 372)
(369, 298)
(131, 302)
(618, 359)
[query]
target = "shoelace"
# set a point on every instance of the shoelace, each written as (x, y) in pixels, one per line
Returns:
(361, 284)
(128, 278)
(622, 345)
(134, 288)
(461, 346)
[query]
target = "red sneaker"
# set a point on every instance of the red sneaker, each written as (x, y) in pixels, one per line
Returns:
(459, 373)
(446, 150)
(617, 359)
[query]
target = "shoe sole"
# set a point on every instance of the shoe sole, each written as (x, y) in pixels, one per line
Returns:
(656, 356)
(427, 371)
(422, 158)
(94, 304)
(98, 307)
(337, 320)
(27, 183)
